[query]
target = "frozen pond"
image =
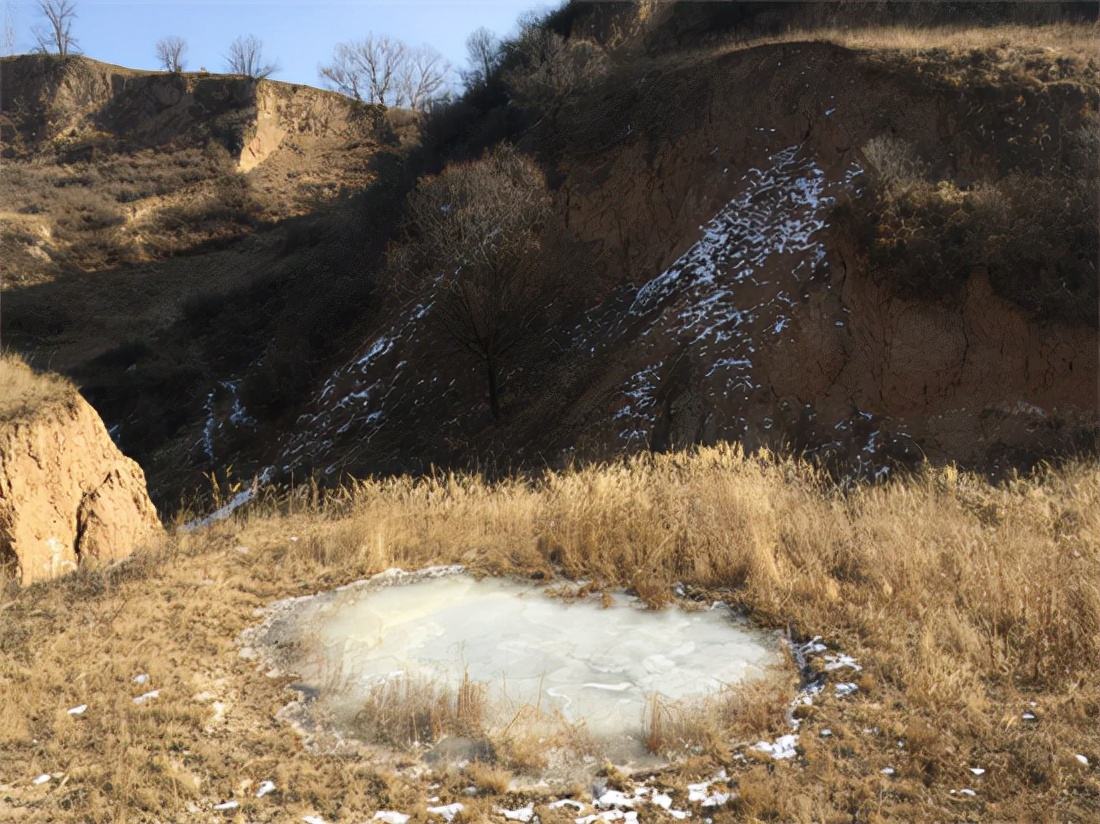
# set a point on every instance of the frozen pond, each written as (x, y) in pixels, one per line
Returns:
(582, 661)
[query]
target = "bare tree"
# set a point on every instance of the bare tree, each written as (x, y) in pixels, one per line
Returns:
(246, 56)
(472, 238)
(7, 48)
(483, 55)
(546, 67)
(380, 69)
(58, 33)
(367, 69)
(422, 78)
(170, 53)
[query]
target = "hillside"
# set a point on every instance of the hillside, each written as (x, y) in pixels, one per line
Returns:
(737, 294)
(784, 313)
(733, 275)
(106, 166)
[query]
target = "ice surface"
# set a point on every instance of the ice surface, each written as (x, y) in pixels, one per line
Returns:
(579, 660)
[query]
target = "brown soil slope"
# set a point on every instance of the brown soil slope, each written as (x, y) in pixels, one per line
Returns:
(708, 190)
(67, 495)
(106, 165)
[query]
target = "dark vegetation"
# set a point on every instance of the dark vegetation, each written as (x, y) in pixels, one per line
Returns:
(1036, 235)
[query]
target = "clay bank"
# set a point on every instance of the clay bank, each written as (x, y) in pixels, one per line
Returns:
(440, 658)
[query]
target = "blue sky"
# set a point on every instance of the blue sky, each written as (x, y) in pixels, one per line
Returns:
(297, 34)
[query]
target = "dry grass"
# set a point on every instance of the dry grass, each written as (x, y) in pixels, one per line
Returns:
(964, 602)
(23, 391)
(1067, 39)
(406, 712)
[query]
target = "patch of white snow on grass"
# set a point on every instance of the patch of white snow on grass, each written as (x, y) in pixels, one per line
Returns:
(149, 696)
(523, 814)
(447, 811)
(391, 817)
(784, 746)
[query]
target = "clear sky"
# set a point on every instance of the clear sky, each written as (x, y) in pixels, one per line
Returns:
(297, 34)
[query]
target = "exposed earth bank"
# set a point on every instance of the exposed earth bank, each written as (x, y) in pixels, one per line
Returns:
(67, 495)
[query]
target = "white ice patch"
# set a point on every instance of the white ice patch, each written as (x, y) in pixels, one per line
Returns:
(149, 696)
(391, 817)
(447, 811)
(783, 747)
(79, 710)
(233, 504)
(265, 788)
(609, 815)
(841, 661)
(523, 814)
(573, 660)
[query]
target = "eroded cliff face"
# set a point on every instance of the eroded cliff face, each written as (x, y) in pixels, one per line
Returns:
(44, 99)
(706, 192)
(67, 495)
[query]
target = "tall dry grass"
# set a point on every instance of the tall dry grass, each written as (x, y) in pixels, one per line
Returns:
(1073, 39)
(23, 391)
(967, 604)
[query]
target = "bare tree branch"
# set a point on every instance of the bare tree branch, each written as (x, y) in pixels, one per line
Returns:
(483, 55)
(379, 69)
(170, 53)
(7, 48)
(246, 57)
(57, 36)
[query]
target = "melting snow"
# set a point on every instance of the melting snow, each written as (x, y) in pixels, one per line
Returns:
(784, 746)
(391, 817)
(78, 710)
(524, 814)
(447, 811)
(265, 788)
(149, 696)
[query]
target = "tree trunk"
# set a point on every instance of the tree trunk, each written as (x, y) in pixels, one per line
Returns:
(494, 392)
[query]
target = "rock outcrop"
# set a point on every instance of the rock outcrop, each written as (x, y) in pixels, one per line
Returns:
(67, 495)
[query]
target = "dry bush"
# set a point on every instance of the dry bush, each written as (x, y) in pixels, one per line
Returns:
(408, 711)
(23, 392)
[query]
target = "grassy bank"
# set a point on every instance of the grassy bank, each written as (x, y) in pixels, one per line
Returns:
(968, 605)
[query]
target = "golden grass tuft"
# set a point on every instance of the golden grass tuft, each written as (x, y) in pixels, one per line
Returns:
(23, 392)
